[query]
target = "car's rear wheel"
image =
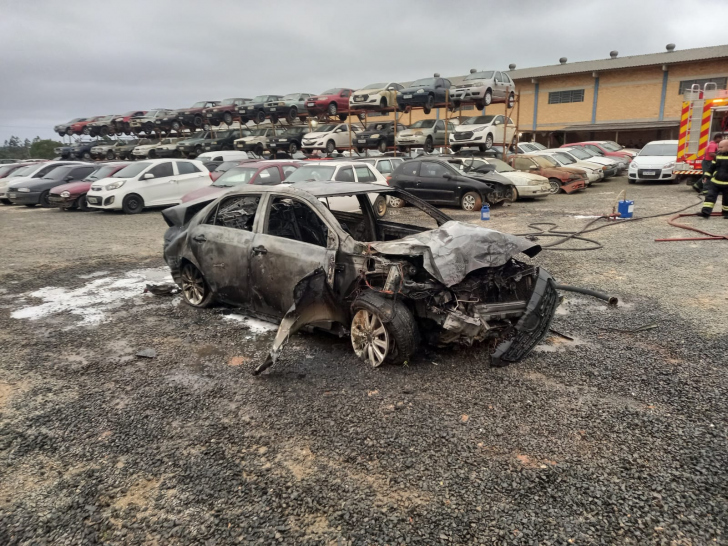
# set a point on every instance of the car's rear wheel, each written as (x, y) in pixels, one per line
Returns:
(382, 147)
(402, 149)
(471, 201)
(342, 117)
(396, 202)
(152, 154)
(380, 206)
(554, 185)
(330, 147)
(82, 203)
(30, 205)
(226, 147)
(227, 117)
(132, 204)
(382, 330)
(195, 290)
(86, 131)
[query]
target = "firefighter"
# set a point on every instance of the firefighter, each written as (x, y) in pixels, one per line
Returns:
(710, 153)
(718, 184)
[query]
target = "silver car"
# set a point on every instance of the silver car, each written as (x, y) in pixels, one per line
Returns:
(483, 88)
(425, 133)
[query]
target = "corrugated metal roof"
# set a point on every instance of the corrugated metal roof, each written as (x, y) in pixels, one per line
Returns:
(666, 57)
(618, 126)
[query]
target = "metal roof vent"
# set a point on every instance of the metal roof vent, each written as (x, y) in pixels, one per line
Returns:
(437, 74)
(473, 70)
(670, 47)
(563, 60)
(613, 54)
(511, 66)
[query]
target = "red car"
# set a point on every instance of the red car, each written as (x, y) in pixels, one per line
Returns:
(120, 124)
(333, 102)
(73, 194)
(264, 173)
(78, 127)
(606, 148)
(566, 179)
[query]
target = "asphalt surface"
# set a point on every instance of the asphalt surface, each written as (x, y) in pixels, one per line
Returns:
(611, 437)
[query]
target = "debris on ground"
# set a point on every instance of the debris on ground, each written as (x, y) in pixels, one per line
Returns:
(147, 353)
(162, 289)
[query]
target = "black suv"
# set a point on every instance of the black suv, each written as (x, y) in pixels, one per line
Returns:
(289, 140)
(379, 136)
(194, 145)
(221, 140)
(255, 109)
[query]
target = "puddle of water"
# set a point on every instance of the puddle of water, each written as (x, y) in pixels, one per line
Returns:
(94, 274)
(92, 301)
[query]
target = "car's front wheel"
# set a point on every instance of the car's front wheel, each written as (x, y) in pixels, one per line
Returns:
(428, 147)
(110, 155)
(554, 185)
(87, 156)
(43, 200)
(227, 117)
(382, 147)
(330, 147)
(132, 204)
(292, 114)
(511, 100)
(429, 104)
(292, 148)
(333, 109)
(488, 141)
(176, 125)
(471, 201)
(195, 290)
(512, 195)
(488, 97)
(82, 204)
(198, 121)
(456, 148)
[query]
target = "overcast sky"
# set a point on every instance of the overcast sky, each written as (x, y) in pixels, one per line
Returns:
(72, 58)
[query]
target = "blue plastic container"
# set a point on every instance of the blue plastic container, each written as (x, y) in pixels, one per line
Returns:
(485, 212)
(625, 209)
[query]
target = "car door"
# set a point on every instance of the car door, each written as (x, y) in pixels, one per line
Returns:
(498, 129)
(161, 187)
(222, 245)
(343, 100)
(406, 177)
(189, 178)
(438, 133)
(433, 184)
(498, 87)
(343, 202)
(294, 240)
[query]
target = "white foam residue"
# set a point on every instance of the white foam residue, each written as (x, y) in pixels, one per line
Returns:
(92, 301)
(256, 326)
(93, 275)
(584, 217)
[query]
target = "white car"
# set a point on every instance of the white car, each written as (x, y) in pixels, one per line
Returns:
(150, 183)
(27, 174)
(329, 137)
(384, 165)
(528, 185)
(222, 156)
(256, 142)
(529, 147)
(656, 161)
(484, 88)
(375, 95)
(142, 151)
(483, 132)
(342, 171)
(594, 172)
(580, 153)
(166, 148)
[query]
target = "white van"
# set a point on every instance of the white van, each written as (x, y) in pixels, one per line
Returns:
(149, 183)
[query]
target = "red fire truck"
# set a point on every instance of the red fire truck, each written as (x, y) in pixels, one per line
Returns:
(704, 113)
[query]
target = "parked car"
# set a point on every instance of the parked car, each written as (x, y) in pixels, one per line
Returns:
(22, 174)
(378, 136)
(254, 172)
(291, 107)
(36, 191)
(218, 168)
(223, 156)
(482, 131)
(150, 183)
(384, 165)
(106, 149)
(428, 93)
(656, 161)
(124, 151)
(591, 171)
(289, 140)
(82, 150)
(72, 195)
(63, 152)
(527, 185)
(330, 137)
(7, 169)
(332, 102)
(256, 141)
(121, 124)
(484, 88)
(529, 147)
(605, 148)
(560, 178)
(383, 281)
(64, 129)
(101, 127)
(148, 122)
(193, 144)
(225, 112)
(425, 134)
(193, 116)
(255, 109)
(582, 154)
(437, 181)
(80, 127)
(142, 151)
(375, 96)
(167, 147)
(221, 140)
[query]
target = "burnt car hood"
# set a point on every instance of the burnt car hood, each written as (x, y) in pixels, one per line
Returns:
(455, 249)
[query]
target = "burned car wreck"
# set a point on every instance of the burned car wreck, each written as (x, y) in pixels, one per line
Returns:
(316, 255)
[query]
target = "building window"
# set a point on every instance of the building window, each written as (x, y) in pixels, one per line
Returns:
(687, 84)
(561, 97)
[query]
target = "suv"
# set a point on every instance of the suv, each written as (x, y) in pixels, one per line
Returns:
(375, 95)
(82, 150)
(255, 109)
(224, 112)
(221, 140)
(484, 88)
(120, 124)
(166, 148)
(256, 141)
(194, 116)
(124, 150)
(100, 127)
(378, 136)
(330, 137)
(332, 102)
(151, 121)
(428, 93)
(105, 149)
(290, 107)
(482, 131)
(289, 140)
(425, 133)
(193, 145)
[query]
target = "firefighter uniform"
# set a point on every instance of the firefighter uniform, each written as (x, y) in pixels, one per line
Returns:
(717, 185)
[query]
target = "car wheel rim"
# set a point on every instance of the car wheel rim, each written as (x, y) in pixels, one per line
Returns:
(193, 285)
(332, 109)
(292, 148)
(489, 141)
(369, 337)
(554, 186)
(468, 202)
(488, 98)
(396, 202)
(381, 207)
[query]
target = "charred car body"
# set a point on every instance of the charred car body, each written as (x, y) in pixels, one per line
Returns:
(281, 253)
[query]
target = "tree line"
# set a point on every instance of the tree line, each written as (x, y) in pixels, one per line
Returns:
(38, 148)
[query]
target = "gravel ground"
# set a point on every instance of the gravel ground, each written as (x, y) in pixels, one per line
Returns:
(608, 438)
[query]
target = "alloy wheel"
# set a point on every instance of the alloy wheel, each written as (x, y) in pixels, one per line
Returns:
(468, 202)
(193, 285)
(369, 337)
